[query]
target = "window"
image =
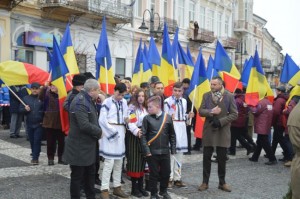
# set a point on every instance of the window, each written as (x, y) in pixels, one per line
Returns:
(191, 11)
(227, 25)
(165, 8)
(246, 11)
(210, 20)
(120, 67)
(81, 62)
(202, 17)
(24, 55)
(139, 11)
(180, 13)
(219, 24)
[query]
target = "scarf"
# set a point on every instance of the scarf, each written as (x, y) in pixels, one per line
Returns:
(217, 96)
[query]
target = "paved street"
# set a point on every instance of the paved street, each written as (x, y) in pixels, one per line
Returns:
(20, 180)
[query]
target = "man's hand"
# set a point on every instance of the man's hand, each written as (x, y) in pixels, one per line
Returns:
(191, 115)
(27, 108)
(139, 134)
(216, 110)
(216, 123)
(148, 155)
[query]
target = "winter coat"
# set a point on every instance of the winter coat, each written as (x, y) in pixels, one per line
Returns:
(242, 108)
(263, 114)
(21, 92)
(278, 106)
(218, 136)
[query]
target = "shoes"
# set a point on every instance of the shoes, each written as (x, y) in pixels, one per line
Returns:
(98, 181)
(203, 187)
(187, 153)
(170, 185)
(50, 162)
(165, 195)
(231, 153)
(288, 164)
(104, 194)
(282, 159)
(196, 148)
(253, 160)
(62, 162)
(13, 136)
(34, 162)
(224, 187)
(250, 151)
(144, 192)
(97, 191)
(271, 162)
(179, 183)
(119, 192)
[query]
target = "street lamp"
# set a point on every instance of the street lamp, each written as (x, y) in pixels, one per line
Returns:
(245, 53)
(143, 26)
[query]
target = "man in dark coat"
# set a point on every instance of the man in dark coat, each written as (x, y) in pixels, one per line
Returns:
(219, 109)
(80, 147)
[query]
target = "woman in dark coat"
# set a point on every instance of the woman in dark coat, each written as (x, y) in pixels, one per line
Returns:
(135, 159)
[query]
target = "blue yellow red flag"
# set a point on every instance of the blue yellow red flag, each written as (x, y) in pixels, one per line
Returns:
(154, 58)
(186, 62)
(290, 72)
(104, 69)
(137, 70)
(246, 71)
(146, 73)
(210, 70)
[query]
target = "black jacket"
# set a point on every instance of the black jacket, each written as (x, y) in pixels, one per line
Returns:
(69, 99)
(21, 92)
(34, 117)
(150, 128)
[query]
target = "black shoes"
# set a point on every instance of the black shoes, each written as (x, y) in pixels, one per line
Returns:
(50, 162)
(165, 195)
(187, 153)
(271, 162)
(253, 160)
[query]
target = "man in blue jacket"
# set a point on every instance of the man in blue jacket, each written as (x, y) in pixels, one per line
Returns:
(34, 112)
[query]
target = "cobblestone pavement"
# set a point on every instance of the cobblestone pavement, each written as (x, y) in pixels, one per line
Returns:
(20, 180)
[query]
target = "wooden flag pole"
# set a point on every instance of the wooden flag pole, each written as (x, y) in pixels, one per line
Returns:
(193, 104)
(15, 94)
(106, 73)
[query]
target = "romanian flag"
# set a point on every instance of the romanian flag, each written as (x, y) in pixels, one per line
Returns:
(137, 72)
(246, 71)
(186, 61)
(258, 86)
(168, 75)
(154, 58)
(132, 117)
(226, 68)
(145, 51)
(14, 73)
(67, 49)
(104, 70)
(59, 70)
(188, 52)
(294, 92)
(290, 72)
(146, 73)
(175, 48)
(199, 85)
(210, 70)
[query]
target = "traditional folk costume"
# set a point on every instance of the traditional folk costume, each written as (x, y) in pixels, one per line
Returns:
(157, 139)
(112, 144)
(135, 158)
(176, 108)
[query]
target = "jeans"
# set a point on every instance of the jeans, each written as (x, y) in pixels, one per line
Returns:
(109, 165)
(16, 123)
(35, 138)
(82, 175)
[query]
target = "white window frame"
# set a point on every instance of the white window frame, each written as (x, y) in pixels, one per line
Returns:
(180, 13)
(219, 24)
(202, 17)
(191, 11)
(210, 20)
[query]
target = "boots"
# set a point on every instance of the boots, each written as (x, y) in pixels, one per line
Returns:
(141, 188)
(135, 188)
(104, 194)
(119, 192)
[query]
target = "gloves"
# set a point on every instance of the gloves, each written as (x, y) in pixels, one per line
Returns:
(216, 123)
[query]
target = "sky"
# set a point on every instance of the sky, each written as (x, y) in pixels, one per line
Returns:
(283, 23)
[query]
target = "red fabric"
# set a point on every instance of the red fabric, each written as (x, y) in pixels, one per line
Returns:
(36, 74)
(240, 85)
(168, 90)
(252, 98)
(69, 84)
(135, 174)
(199, 126)
(278, 106)
(231, 83)
(111, 88)
(64, 118)
(242, 112)
(262, 117)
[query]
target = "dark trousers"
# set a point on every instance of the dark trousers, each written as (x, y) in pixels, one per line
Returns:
(278, 138)
(189, 137)
(238, 133)
(198, 143)
(35, 138)
(221, 158)
(85, 175)
(6, 115)
(97, 164)
(262, 142)
(55, 136)
(290, 151)
(160, 168)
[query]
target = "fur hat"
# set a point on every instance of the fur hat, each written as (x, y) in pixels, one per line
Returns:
(78, 80)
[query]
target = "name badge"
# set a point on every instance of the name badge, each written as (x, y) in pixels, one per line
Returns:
(269, 107)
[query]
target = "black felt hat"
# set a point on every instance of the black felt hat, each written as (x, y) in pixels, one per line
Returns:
(78, 80)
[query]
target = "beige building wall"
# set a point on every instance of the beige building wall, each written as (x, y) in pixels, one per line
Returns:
(5, 47)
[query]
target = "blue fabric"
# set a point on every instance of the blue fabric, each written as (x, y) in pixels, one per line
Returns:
(35, 137)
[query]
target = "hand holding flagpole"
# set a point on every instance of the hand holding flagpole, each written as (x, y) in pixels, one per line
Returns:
(15, 94)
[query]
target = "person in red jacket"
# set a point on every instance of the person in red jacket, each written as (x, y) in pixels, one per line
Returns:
(263, 113)
(239, 126)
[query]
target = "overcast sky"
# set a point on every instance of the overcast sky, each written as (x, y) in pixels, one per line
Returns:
(283, 23)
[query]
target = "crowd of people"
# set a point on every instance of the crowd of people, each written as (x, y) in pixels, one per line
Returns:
(138, 126)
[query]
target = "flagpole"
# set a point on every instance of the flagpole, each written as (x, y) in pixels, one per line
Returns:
(193, 103)
(212, 73)
(106, 73)
(15, 94)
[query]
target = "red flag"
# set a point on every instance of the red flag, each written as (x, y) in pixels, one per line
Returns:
(199, 126)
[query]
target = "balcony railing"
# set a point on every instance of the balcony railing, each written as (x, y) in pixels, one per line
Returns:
(244, 26)
(229, 43)
(201, 35)
(266, 63)
(172, 24)
(110, 8)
